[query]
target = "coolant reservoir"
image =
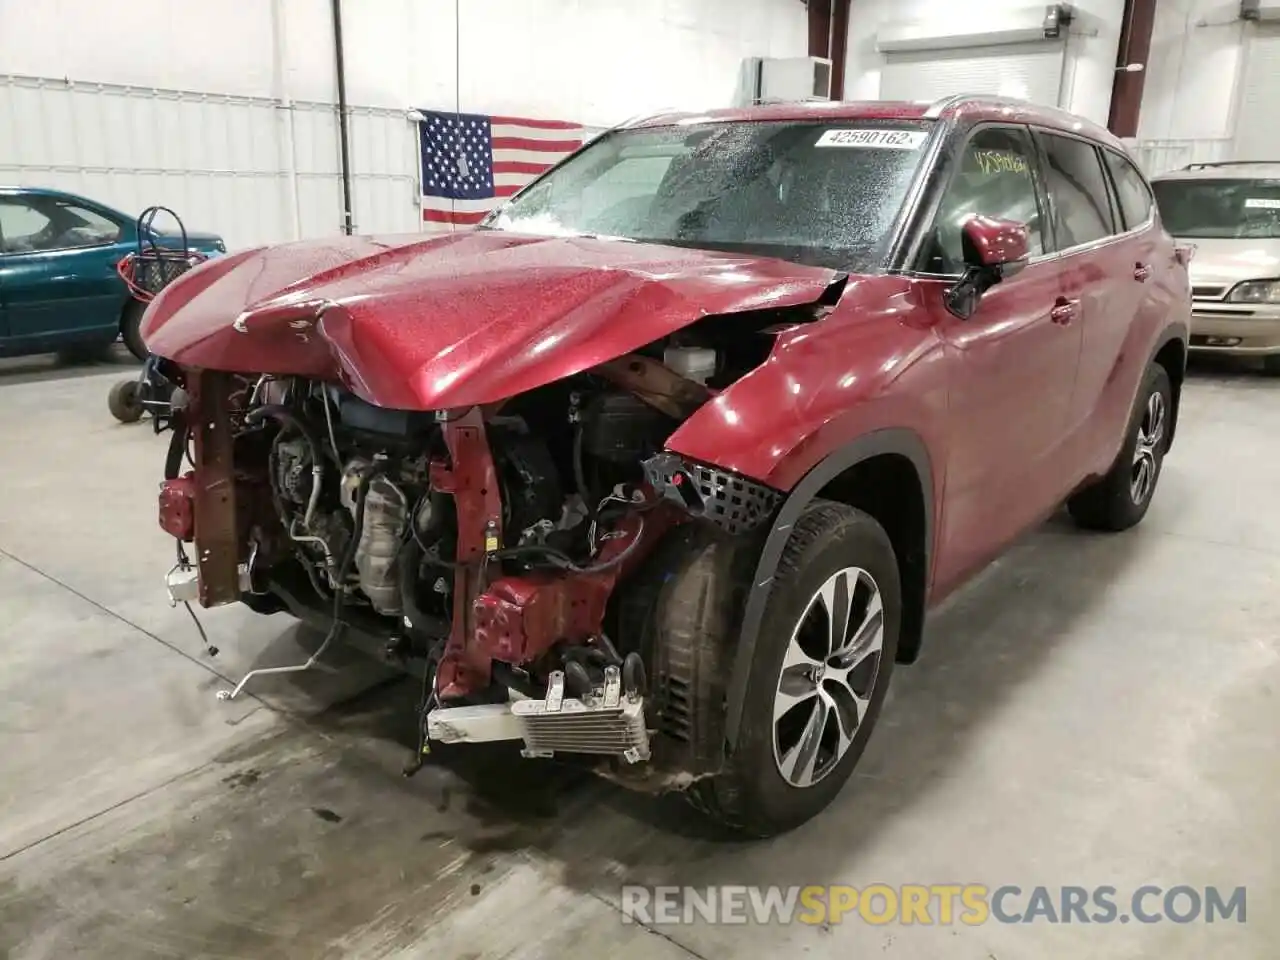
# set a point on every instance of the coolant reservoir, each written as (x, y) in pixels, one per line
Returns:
(696, 363)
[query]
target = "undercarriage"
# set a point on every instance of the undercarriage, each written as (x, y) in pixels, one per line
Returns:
(538, 561)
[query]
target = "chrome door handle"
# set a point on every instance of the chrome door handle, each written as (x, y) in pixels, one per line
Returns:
(1064, 312)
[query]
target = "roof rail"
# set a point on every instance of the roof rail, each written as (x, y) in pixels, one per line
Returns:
(1212, 164)
(954, 100)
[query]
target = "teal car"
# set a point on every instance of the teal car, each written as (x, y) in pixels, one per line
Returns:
(59, 289)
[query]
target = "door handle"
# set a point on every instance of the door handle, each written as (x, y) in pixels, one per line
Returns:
(1141, 272)
(1064, 311)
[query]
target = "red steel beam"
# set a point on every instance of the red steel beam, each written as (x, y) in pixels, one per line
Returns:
(1135, 47)
(828, 37)
(819, 27)
(839, 47)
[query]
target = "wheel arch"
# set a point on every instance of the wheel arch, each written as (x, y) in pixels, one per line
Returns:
(855, 474)
(1171, 353)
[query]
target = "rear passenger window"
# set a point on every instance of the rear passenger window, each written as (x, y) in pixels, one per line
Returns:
(1135, 198)
(1077, 190)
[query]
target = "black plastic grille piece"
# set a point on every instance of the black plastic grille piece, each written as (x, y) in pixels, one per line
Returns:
(732, 501)
(729, 500)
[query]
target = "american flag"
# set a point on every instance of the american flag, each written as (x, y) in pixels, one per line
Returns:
(472, 162)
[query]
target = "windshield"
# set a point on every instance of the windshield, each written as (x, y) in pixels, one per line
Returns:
(1239, 209)
(818, 193)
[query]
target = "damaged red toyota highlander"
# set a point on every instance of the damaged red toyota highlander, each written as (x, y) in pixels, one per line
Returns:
(662, 465)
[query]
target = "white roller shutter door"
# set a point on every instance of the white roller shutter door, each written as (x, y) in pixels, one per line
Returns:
(1257, 133)
(1029, 71)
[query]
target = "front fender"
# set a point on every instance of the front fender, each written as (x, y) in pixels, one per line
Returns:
(831, 395)
(821, 388)
(892, 440)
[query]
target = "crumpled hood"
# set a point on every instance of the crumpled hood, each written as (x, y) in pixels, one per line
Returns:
(456, 320)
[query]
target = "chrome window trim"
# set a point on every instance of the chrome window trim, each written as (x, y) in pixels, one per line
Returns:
(44, 250)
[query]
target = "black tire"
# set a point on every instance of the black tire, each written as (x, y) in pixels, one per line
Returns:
(131, 328)
(1271, 365)
(681, 612)
(124, 403)
(751, 794)
(1113, 503)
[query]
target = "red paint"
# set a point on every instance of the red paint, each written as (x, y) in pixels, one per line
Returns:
(518, 619)
(1137, 26)
(1015, 410)
(457, 320)
(178, 507)
(471, 479)
(997, 242)
(1017, 406)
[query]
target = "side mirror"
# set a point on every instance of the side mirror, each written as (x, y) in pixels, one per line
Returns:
(994, 250)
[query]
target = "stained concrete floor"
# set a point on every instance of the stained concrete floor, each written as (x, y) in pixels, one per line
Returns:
(1093, 710)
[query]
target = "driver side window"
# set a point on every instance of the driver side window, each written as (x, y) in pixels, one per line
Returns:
(50, 224)
(995, 178)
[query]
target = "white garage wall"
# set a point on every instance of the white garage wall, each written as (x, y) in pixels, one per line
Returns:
(224, 110)
(1090, 54)
(1203, 88)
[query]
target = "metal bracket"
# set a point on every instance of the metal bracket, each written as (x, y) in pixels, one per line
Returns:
(183, 583)
(612, 686)
(555, 691)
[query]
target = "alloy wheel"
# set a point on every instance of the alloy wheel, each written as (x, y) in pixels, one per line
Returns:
(828, 674)
(1142, 479)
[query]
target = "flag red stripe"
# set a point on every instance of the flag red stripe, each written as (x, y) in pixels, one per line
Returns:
(541, 146)
(520, 166)
(537, 124)
(506, 190)
(448, 216)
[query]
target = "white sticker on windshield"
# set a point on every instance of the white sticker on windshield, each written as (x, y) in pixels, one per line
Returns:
(1261, 203)
(882, 139)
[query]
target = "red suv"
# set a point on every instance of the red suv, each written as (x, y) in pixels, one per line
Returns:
(662, 466)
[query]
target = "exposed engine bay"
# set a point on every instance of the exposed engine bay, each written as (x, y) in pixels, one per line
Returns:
(494, 546)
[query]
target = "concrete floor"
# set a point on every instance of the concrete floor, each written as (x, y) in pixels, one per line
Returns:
(1094, 710)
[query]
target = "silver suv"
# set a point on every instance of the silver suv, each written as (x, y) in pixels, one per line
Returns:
(1230, 212)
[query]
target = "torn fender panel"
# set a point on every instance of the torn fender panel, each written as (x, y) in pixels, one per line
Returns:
(870, 365)
(455, 320)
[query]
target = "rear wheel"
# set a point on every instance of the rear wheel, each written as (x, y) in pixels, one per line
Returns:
(1121, 498)
(131, 328)
(1271, 365)
(819, 677)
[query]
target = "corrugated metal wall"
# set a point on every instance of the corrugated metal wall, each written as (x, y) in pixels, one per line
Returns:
(222, 162)
(1161, 156)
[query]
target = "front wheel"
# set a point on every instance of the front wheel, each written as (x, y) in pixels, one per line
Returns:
(1121, 498)
(819, 677)
(124, 402)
